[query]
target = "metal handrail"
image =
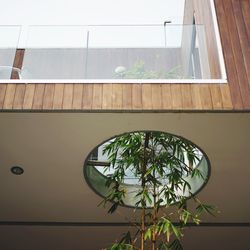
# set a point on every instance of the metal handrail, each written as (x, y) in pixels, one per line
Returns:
(19, 71)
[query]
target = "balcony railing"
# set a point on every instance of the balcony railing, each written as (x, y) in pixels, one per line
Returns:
(127, 53)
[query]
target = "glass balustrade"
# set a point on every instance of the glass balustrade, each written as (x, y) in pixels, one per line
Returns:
(9, 37)
(111, 53)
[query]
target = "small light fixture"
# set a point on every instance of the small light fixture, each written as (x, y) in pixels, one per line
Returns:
(17, 170)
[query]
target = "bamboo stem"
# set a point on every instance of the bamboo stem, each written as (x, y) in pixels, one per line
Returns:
(142, 229)
(143, 184)
(154, 223)
(155, 213)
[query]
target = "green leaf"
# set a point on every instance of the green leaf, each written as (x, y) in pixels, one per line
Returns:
(147, 196)
(197, 172)
(205, 208)
(126, 239)
(163, 246)
(148, 233)
(185, 216)
(176, 245)
(196, 220)
(176, 231)
(113, 208)
(121, 246)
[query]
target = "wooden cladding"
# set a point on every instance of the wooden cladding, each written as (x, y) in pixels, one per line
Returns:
(234, 25)
(234, 28)
(114, 97)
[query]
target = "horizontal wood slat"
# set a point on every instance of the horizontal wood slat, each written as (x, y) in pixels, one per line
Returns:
(58, 96)
(68, 96)
(3, 88)
(29, 96)
(77, 96)
(48, 96)
(9, 96)
(127, 96)
(19, 96)
(38, 96)
(97, 96)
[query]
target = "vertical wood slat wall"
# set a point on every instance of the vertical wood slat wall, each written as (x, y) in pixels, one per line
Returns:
(234, 24)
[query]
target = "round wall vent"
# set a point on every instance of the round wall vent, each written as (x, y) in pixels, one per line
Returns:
(163, 159)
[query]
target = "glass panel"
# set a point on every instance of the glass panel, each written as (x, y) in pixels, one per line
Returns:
(116, 52)
(55, 52)
(146, 52)
(124, 52)
(8, 44)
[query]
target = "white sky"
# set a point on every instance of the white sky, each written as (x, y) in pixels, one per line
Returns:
(88, 12)
(65, 12)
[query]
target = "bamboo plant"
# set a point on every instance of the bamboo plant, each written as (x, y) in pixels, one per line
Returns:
(160, 162)
(139, 71)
